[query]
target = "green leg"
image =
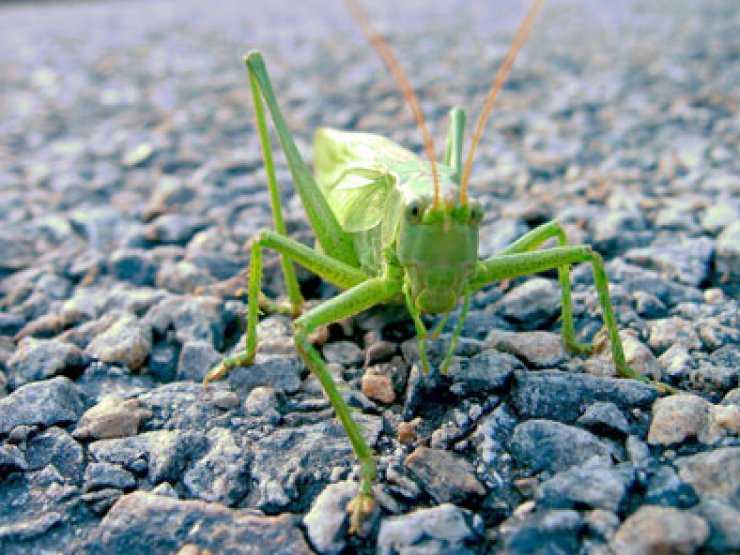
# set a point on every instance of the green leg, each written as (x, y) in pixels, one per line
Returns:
(350, 302)
(440, 326)
(458, 331)
(295, 299)
(531, 241)
(340, 274)
(505, 266)
(455, 138)
(421, 331)
(331, 237)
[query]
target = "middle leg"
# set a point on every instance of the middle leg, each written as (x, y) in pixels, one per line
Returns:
(505, 266)
(532, 241)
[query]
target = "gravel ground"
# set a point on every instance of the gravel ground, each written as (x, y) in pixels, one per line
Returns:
(131, 179)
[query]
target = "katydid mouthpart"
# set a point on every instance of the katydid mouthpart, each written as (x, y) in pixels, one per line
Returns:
(391, 227)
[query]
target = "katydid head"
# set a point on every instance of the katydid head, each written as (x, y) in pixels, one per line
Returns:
(438, 249)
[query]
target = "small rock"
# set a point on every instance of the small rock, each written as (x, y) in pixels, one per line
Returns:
(111, 417)
(639, 357)
(534, 303)
(482, 374)
(45, 403)
(11, 459)
(325, 521)
(654, 529)
(727, 260)
(714, 473)
(564, 397)
(279, 373)
(40, 359)
(164, 453)
(127, 527)
(542, 533)
(668, 332)
(604, 523)
(222, 475)
(591, 485)
(133, 265)
(547, 445)
(57, 448)
(105, 475)
(724, 524)
(664, 487)
(378, 388)
(262, 401)
(174, 228)
(677, 418)
(127, 342)
(182, 277)
(443, 529)
(446, 477)
(683, 416)
(30, 528)
(605, 417)
(687, 261)
(539, 349)
(344, 353)
(196, 359)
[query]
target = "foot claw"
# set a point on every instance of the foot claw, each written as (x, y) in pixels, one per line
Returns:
(361, 507)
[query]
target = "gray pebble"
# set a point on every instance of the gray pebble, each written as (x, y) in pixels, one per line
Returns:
(548, 445)
(443, 529)
(49, 402)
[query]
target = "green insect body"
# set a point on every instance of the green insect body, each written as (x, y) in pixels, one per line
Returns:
(381, 194)
(392, 228)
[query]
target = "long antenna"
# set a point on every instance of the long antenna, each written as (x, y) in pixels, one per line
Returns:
(386, 54)
(498, 82)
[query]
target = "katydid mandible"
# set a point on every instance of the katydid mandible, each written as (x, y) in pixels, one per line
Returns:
(394, 228)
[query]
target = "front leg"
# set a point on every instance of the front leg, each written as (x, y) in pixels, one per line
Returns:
(357, 299)
(338, 273)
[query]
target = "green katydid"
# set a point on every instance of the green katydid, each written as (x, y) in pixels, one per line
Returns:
(393, 228)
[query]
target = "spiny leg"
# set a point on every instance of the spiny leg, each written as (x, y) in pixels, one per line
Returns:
(338, 273)
(295, 299)
(529, 242)
(329, 234)
(421, 330)
(505, 266)
(361, 297)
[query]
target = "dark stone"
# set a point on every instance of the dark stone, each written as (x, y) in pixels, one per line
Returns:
(555, 532)
(39, 359)
(604, 417)
(547, 445)
(564, 397)
(105, 475)
(486, 372)
(196, 359)
(56, 447)
(281, 373)
(664, 487)
(532, 304)
(133, 265)
(54, 401)
(587, 486)
(444, 475)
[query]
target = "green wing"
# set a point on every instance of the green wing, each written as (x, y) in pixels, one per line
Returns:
(357, 172)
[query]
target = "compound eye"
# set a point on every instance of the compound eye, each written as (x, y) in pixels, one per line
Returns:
(476, 212)
(415, 211)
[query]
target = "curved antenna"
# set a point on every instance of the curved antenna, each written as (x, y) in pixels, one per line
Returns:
(498, 82)
(386, 54)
